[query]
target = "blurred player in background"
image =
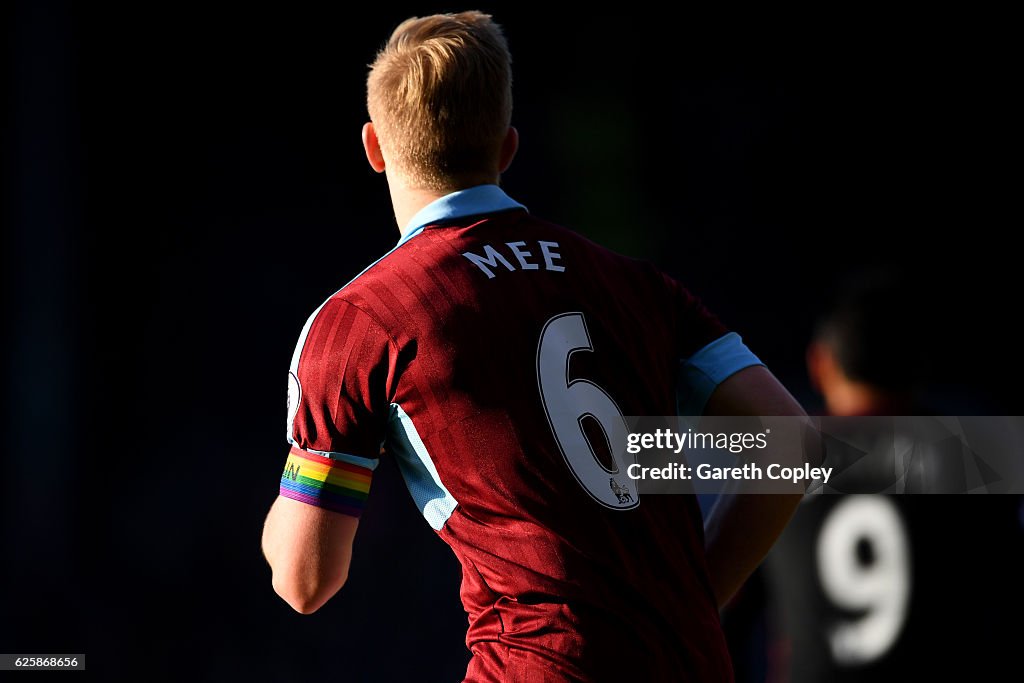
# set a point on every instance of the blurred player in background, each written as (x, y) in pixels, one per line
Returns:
(493, 356)
(879, 587)
(861, 362)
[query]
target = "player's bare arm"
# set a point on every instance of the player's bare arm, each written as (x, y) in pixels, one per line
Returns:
(309, 549)
(741, 529)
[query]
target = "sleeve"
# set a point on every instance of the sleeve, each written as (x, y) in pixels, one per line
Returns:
(708, 352)
(337, 408)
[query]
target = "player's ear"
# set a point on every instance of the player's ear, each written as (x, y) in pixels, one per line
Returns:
(509, 146)
(820, 366)
(372, 146)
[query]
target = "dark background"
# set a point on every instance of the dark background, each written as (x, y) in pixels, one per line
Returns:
(183, 185)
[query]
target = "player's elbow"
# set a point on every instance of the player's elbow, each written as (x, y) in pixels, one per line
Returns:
(307, 593)
(303, 604)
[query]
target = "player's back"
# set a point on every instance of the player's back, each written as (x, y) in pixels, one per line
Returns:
(514, 349)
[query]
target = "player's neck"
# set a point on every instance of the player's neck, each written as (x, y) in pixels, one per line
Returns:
(408, 201)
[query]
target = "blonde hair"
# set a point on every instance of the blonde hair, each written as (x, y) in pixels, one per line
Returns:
(440, 97)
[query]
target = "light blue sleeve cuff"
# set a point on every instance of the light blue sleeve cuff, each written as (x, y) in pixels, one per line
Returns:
(368, 463)
(701, 373)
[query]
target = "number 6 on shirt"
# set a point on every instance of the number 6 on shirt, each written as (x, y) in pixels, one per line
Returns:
(567, 402)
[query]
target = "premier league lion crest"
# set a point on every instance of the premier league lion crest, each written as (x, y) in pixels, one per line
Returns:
(621, 492)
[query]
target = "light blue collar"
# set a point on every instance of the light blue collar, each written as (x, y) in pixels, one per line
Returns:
(469, 202)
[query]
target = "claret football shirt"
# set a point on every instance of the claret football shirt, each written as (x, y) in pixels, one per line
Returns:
(475, 353)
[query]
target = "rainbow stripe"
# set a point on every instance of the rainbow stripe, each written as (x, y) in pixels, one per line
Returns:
(325, 483)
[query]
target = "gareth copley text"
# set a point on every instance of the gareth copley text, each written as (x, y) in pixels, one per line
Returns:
(748, 472)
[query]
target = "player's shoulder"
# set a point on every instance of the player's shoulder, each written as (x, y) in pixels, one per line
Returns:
(358, 300)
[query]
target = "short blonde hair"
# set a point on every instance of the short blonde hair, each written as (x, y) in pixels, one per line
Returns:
(440, 97)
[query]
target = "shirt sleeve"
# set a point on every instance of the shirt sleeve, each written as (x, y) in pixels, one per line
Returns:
(337, 408)
(708, 352)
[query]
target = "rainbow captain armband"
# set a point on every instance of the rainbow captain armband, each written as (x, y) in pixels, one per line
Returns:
(325, 482)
